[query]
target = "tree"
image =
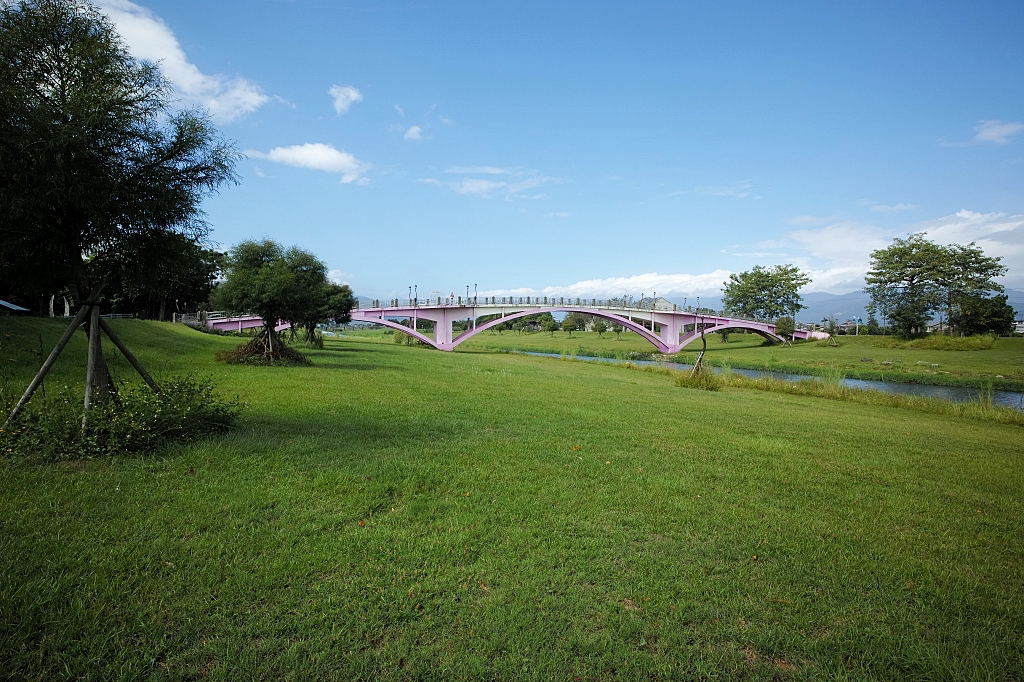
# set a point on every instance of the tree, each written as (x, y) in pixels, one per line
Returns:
(277, 285)
(617, 330)
(902, 283)
(551, 326)
(914, 278)
(784, 326)
(574, 322)
(980, 314)
(965, 276)
(765, 293)
(91, 155)
(600, 326)
(160, 271)
(874, 329)
(336, 303)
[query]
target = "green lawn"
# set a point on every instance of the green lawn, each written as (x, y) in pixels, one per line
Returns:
(395, 512)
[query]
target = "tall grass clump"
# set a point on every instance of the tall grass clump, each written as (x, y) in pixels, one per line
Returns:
(136, 421)
(704, 379)
(940, 342)
(405, 339)
(831, 387)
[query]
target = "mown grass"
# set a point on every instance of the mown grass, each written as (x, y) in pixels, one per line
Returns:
(397, 513)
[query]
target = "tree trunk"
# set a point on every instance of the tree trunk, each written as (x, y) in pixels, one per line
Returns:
(163, 305)
(101, 377)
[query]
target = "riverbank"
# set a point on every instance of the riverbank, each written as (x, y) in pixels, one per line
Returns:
(1001, 366)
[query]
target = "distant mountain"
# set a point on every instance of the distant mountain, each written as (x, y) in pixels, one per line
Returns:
(821, 305)
(1016, 299)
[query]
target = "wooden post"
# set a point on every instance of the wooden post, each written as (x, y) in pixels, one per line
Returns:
(64, 339)
(45, 369)
(128, 355)
(93, 358)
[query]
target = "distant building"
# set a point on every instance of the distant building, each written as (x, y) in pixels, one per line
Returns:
(1018, 327)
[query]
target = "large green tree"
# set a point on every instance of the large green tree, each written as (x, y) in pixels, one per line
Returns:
(335, 302)
(965, 276)
(162, 273)
(902, 283)
(92, 155)
(914, 278)
(765, 292)
(277, 284)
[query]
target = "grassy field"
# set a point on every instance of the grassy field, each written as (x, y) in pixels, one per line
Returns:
(864, 357)
(394, 512)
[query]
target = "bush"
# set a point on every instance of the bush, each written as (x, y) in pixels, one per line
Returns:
(255, 353)
(704, 380)
(407, 339)
(50, 427)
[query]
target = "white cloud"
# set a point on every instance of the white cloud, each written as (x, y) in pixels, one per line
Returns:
(838, 255)
(339, 276)
(318, 156)
(478, 170)
(413, 133)
(344, 97)
(998, 234)
(488, 189)
(648, 283)
(149, 38)
(560, 214)
(400, 110)
(739, 190)
(895, 208)
(997, 131)
(446, 121)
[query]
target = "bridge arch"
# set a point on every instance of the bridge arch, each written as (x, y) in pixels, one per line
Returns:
(643, 331)
(756, 327)
(405, 330)
(761, 328)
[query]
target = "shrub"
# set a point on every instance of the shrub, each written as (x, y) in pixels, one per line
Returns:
(407, 339)
(255, 353)
(703, 380)
(139, 420)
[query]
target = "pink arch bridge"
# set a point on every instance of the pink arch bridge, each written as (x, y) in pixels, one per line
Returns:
(668, 327)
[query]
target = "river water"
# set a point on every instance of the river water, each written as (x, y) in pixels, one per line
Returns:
(958, 394)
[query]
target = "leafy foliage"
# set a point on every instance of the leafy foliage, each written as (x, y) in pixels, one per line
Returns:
(91, 155)
(265, 279)
(765, 293)
(914, 278)
(977, 314)
(784, 326)
(140, 420)
(161, 270)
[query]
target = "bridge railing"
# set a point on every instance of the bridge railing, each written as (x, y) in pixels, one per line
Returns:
(627, 304)
(554, 302)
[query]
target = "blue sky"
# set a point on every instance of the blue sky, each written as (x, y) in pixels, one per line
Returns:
(603, 148)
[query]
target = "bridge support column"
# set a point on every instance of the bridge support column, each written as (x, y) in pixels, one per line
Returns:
(670, 326)
(443, 330)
